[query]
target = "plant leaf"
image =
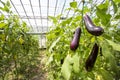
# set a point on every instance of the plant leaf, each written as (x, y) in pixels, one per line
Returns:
(107, 52)
(50, 59)
(114, 45)
(73, 4)
(2, 25)
(8, 3)
(76, 63)
(53, 19)
(114, 6)
(54, 43)
(116, 1)
(21, 41)
(117, 16)
(105, 18)
(2, 17)
(105, 74)
(67, 68)
(104, 6)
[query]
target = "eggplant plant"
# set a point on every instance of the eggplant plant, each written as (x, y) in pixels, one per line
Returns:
(67, 60)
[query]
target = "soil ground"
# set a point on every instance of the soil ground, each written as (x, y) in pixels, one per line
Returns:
(42, 73)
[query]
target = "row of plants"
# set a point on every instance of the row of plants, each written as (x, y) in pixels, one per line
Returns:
(19, 51)
(85, 46)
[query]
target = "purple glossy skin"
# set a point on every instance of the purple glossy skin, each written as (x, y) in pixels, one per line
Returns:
(92, 58)
(75, 42)
(91, 28)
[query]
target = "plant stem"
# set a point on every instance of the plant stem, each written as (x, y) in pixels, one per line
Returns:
(3, 77)
(15, 62)
(82, 11)
(82, 30)
(96, 40)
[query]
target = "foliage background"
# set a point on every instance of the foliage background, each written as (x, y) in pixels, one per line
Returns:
(19, 51)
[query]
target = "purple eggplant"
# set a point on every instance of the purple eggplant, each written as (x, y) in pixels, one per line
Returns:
(92, 58)
(92, 28)
(75, 41)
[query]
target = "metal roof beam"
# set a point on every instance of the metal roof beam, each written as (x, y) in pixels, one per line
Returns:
(33, 14)
(55, 7)
(63, 6)
(26, 13)
(47, 13)
(15, 8)
(41, 14)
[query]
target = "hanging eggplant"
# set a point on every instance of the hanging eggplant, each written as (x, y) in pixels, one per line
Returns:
(92, 28)
(75, 42)
(92, 58)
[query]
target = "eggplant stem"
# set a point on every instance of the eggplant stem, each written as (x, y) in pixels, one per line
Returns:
(96, 39)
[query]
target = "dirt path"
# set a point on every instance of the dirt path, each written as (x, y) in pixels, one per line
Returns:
(42, 74)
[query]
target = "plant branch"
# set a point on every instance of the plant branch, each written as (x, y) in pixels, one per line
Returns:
(82, 11)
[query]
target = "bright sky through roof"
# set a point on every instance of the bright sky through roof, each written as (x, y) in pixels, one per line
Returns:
(35, 15)
(35, 12)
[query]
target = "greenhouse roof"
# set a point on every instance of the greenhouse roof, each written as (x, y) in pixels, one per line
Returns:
(35, 12)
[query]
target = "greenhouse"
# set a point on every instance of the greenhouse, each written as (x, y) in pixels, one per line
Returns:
(59, 39)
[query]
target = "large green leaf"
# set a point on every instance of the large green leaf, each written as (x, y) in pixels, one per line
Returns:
(2, 17)
(50, 59)
(2, 25)
(116, 1)
(53, 19)
(103, 16)
(73, 4)
(116, 36)
(105, 74)
(114, 6)
(5, 8)
(54, 44)
(76, 64)
(8, 3)
(67, 68)
(117, 16)
(103, 6)
(110, 59)
(101, 12)
(114, 45)
(67, 21)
